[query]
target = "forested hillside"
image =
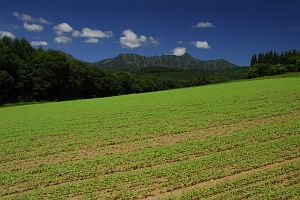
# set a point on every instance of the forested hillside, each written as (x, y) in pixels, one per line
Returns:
(35, 74)
(29, 74)
(272, 63)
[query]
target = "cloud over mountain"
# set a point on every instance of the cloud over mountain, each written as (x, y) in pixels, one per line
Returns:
(201, 44)
(179, 51)
(131, 40)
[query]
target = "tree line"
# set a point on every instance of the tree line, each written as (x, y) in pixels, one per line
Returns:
(273, 63)
(30, 74)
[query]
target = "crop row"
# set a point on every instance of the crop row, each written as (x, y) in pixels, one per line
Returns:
(169, 177)
(70, 171)
(41, 151)
(282, 182)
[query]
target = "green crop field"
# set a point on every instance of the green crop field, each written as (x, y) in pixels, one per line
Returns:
(233, 140)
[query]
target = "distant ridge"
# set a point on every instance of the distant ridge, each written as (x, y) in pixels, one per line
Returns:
(129, 62)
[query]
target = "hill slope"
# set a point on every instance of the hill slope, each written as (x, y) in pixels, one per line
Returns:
(127, 62)
(232, 140)
(34, 74)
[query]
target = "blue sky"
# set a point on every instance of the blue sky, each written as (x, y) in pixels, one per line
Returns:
(92, 30)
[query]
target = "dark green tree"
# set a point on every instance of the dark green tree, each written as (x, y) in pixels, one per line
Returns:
(253, 60)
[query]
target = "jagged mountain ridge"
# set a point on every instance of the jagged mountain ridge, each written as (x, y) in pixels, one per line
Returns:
(129, 62)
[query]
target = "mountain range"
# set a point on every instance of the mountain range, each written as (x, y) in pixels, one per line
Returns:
(131, 62)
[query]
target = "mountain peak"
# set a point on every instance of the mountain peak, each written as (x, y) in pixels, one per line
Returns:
(187, 55)
(129, 62)
(128, 54)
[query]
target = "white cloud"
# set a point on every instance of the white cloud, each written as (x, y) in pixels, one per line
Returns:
(62, 28)
(62, 39)
(87, 32)
(24, 17)
(153, 41)
(204, 25)
(91, 40)
(7, 34)
(13, 27)
(39, 43)
(179, 51)
(44, 21)
(179, 42)
(201, 44)
(33, 27)
(132, 40)
(76, 33)
(28, 18)
(92, 35)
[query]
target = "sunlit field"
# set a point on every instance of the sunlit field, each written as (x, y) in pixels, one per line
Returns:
(233, 140)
